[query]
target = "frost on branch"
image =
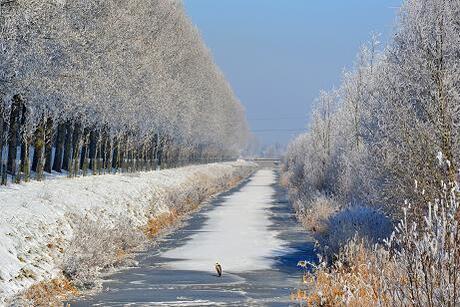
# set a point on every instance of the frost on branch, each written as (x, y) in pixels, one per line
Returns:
(102, 86)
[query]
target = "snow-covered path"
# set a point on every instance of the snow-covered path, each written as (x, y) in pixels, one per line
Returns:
(251, 230)
(236, 234)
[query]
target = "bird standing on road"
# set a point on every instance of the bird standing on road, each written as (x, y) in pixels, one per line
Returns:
(218, 269)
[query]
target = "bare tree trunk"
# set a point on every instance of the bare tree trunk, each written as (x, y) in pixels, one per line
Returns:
(160, 147)
(102, 152)
(76, 144)
(108, 154)
(85, 151)
(59, 151)
(99, 156)
(13, 134)
(134, 159)
(155, 144)
(122, 152)
(2, 136)
(116, 154)
(128, 159)
(145, 156)
(93, 143)
(49, 136)
(39, 142)
(25, 146)
(2, 128)
(66, 160)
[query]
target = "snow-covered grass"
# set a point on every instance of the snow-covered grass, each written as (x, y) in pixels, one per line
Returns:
(96, 246)
(39, 220)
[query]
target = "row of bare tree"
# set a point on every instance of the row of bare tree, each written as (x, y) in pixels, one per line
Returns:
(107, 86)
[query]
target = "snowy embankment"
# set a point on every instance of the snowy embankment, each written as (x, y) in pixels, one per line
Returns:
(37, 220)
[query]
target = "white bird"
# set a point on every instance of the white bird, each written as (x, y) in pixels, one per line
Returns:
(218, 269)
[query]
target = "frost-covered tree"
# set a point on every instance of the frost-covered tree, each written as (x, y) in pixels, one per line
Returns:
(397, 115)
(101, 85)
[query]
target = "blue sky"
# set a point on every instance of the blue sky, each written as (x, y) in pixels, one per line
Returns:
(278, 54)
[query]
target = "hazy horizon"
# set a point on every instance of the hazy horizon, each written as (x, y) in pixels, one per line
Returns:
(278, 55)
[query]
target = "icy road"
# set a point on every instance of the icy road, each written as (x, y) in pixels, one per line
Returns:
(251, 231)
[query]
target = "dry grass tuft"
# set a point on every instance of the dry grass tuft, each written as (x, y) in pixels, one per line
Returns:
(299, 295)
(234, 181)
(284, 180)
(50, 293)
(354, 279)
(316, 217)
(160, 223)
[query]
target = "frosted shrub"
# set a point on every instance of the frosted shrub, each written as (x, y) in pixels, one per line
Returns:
(429, 255)
(363, 222)
(316, 214)
(417, 266)
(96, 247)
(333, 227)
